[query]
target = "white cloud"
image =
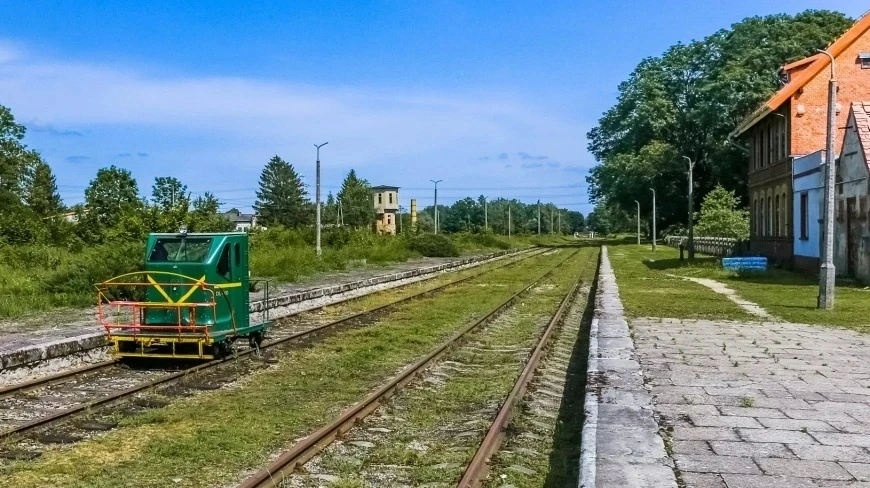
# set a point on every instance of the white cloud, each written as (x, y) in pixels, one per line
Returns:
(235, 123)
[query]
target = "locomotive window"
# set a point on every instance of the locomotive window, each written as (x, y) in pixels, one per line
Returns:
(190, 250)
(238, 251)
(223, 265)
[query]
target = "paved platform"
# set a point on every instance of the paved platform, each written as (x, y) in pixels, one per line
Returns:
(770, 405)
(65, 332)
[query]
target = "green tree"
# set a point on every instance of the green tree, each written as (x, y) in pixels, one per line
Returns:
(356, 201)
(281, 199)
(686, 102)
(168, 192)
(12, 159)
(40, 189)
(330, 211)
(722, 216)
(110, 195)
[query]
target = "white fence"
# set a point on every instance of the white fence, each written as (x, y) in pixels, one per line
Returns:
(714, 246)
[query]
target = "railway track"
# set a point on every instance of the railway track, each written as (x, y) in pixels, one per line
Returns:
(29, 406)
(482, 358)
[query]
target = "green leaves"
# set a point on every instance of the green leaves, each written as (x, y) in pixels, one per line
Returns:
(686, 102)
(357, 204)
(282, 199)
(721, 216)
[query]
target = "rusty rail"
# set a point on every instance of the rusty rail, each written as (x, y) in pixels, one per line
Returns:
(60, 377)
(273, 474)
(478, 468)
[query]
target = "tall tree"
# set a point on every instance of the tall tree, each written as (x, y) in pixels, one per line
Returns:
(40, 189)
(281, 199)
(721, 216)
(168, 192)
(12, 159)
(113, 192)
(687, 101)
(356, 201)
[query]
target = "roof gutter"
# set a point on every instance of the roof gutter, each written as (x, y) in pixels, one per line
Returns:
(750, 121)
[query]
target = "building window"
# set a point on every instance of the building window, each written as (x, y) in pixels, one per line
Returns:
(865, 60)
(391, 198)
(761, 217)
(776, 216)
(756, 229)
(805, 218)
(769, 230)
(770, 144)
(782, 139)
(380, 198)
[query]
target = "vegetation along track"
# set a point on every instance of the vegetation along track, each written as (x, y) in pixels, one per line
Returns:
(426, 433)
(27, 406)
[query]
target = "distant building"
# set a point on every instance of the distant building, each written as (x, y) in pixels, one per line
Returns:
(242, 221)
(792, 124)
(386, 200)
(852, 197)
(808, 199)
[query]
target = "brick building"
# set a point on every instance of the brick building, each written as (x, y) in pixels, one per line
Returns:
(793, 123)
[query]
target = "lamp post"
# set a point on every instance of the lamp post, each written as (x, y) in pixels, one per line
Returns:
(638, 222)
(827, 271)
(654, 218)
(691, 210)
(436, 203)
(317, 197)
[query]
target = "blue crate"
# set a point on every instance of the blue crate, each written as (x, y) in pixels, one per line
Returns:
(745, 264)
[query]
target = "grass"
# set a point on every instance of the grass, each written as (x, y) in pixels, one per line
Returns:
(39, 278)
(209, 438)
(788, 295)
(648, 290)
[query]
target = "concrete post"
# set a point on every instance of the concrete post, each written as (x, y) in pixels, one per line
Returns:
(827, 271)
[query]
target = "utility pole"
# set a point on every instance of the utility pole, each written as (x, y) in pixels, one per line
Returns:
(317, 197)
(551, 220)
(560, 222)
(827, 271)
(691, 210)
(509, 222)
(638, 222)
(400, 219)
(539, 217)
(654, 218)
(436, 203)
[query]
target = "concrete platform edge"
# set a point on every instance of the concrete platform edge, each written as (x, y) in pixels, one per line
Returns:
(621, 444)
(36, 353)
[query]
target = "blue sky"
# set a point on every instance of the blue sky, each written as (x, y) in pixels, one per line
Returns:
(494, 98)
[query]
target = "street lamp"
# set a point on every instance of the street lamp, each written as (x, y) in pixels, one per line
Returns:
(691, 211)
(827, 271)
(436, 203)
(317, 197)
(654, 220)
(638, 222)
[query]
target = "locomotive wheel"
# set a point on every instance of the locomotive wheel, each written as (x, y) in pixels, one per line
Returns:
(255, 339)
(223, 349)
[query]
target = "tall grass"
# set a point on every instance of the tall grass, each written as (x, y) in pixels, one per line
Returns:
(36, 278)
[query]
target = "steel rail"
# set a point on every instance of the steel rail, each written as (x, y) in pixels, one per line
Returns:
(62, 414)
(477, 470)
(71, 373)
(273, 474)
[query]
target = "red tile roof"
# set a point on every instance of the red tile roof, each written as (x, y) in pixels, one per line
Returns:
(817, 63)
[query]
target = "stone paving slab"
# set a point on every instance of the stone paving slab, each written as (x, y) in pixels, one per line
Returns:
(58, 334)
(761, 404)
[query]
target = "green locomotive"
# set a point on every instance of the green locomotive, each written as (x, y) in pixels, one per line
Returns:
(190, 301)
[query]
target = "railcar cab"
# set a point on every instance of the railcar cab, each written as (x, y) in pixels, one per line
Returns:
(191, 300)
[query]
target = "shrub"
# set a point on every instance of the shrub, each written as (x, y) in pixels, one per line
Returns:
(434, 245)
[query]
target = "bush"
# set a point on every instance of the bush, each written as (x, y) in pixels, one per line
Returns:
(80, 272)
(434, 245)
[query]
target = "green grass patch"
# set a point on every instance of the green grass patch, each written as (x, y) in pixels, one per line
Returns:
(210, 438)
(789, 295)
(647, 288)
